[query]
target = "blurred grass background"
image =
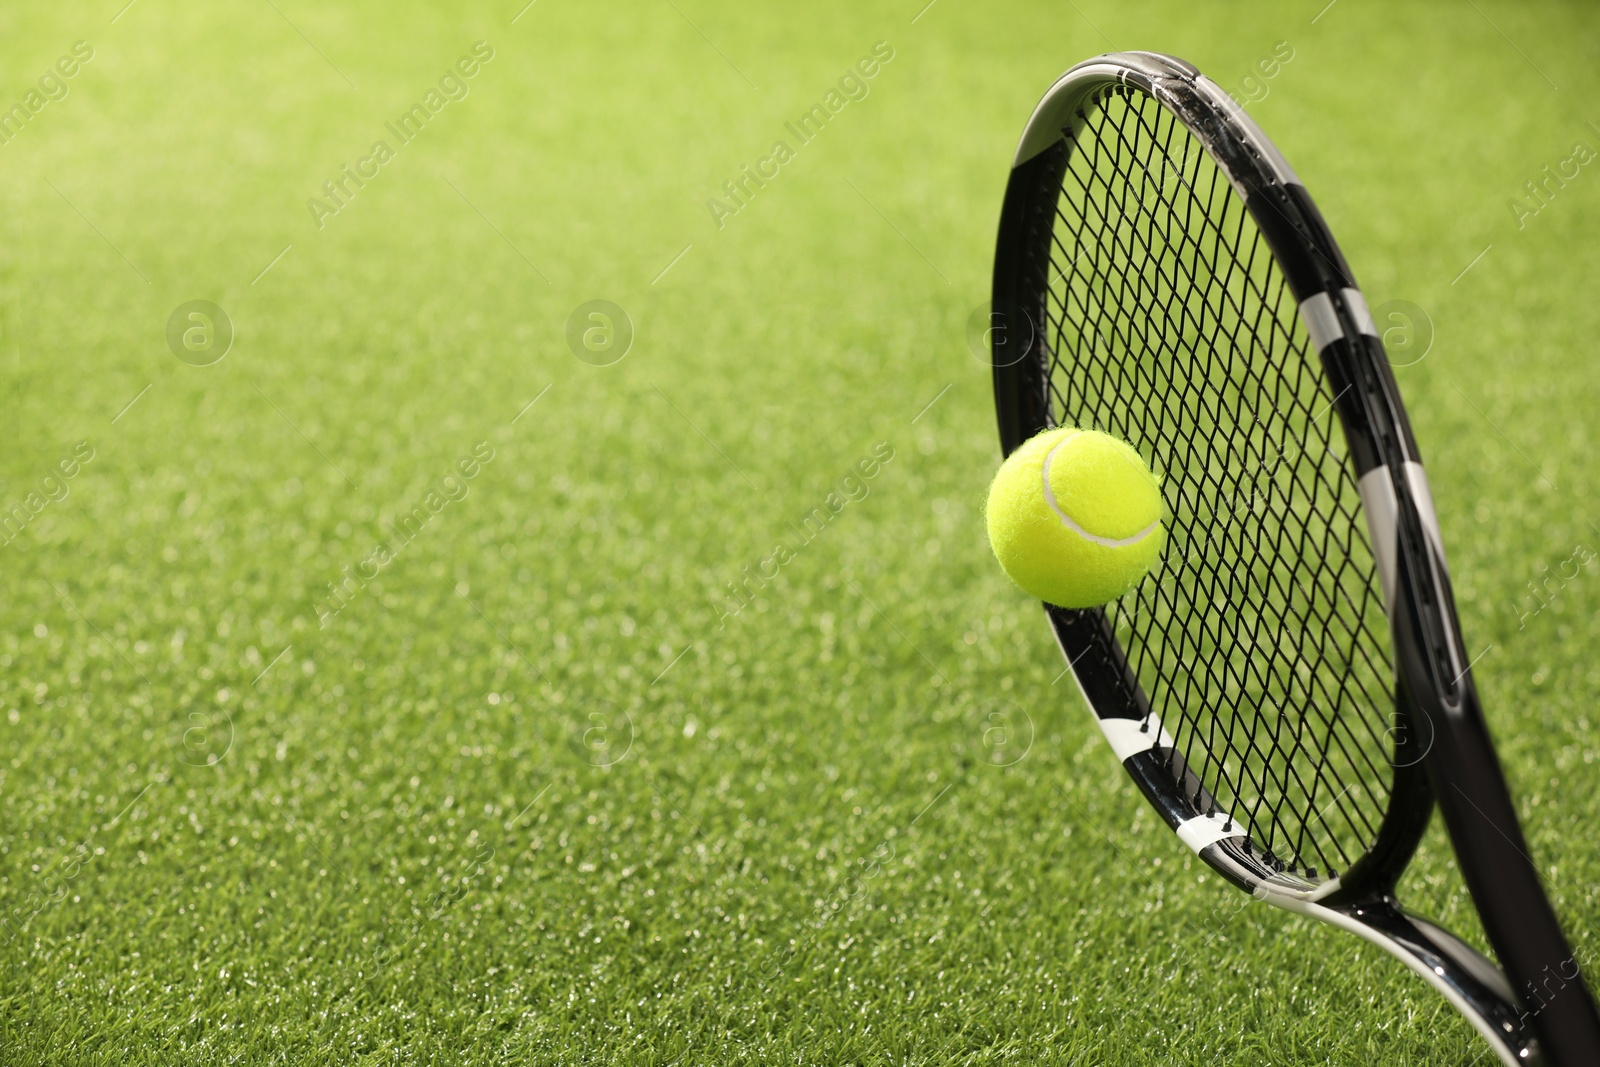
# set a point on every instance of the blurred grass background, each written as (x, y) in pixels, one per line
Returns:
(530, 797)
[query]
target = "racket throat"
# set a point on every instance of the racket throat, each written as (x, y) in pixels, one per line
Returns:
(1472, 982)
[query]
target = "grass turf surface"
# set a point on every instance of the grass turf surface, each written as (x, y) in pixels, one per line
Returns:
(528, 796)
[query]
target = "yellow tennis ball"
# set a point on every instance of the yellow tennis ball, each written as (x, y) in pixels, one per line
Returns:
(1075, 517)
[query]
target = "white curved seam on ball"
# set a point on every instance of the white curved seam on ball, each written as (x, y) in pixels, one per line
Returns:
(1066, 520)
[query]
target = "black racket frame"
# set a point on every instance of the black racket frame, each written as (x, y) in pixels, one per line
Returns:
(1443, 753)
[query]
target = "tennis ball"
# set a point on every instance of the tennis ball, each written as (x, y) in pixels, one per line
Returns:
(1074, 517)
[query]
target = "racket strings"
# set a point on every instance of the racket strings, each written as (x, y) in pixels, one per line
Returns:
(1260, 639)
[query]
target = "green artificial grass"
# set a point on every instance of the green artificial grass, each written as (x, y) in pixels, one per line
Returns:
(532, 788)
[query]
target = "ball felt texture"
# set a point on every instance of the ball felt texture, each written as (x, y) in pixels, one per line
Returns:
(1074, 517)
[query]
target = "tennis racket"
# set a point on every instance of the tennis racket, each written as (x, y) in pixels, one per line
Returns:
(1289, 686)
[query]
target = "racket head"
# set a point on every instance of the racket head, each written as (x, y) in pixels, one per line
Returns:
(1161, 274)
(1210, 354)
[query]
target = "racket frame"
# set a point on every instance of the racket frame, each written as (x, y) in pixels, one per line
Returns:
(1443, 753)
